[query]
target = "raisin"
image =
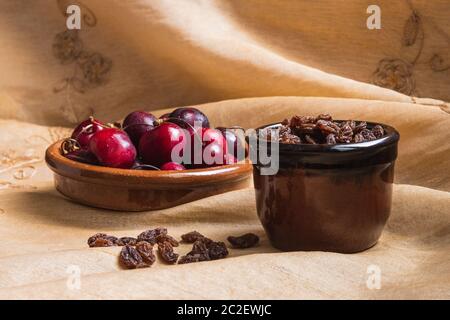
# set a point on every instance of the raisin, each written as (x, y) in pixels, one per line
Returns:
(358, 138)
(324, 116)
(331, 139)
(150, 235)
(360, 126)
(378, 131)
(166, 237)
(367, 134)
(190, 258)
(145, 249)
(217, 250)
(127, 240)
(102, 240)
(326, 127)
(205, 249)
(247, 240)
(130, 258)
(166, 252)
(191, 237)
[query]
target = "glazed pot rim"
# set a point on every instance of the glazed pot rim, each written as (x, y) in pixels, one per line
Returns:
(106, 175)
(392, 136)
(330, 156)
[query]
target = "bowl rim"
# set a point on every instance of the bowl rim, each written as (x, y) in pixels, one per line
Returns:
(82, 171)
(392, 137)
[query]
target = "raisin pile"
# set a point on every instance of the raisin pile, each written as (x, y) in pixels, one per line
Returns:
(139, 252)
(323, 130)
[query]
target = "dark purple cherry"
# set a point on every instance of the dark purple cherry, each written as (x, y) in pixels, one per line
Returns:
(85, 130)
(236, 146)
(113, 148)
(190, 116)
(156, 146)
(82, 155)
(165, 116)
(172, 166)
(137, 123)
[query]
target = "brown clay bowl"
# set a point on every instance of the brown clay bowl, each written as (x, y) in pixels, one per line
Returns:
(140, 190)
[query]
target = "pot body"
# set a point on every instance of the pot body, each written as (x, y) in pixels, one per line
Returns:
(340, 210)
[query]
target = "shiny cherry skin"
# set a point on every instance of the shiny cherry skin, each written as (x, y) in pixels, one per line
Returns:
(190, 116)
(172, 166)
(213, 148)
(82, 155)
(155, 147)
(229, 159)
(113, 148)
(137, 123)
(236, 146)
(85, 130)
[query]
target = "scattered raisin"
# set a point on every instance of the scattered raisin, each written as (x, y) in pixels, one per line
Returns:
(102, 240)
(190, 258)
(150, 235)
(217, 250)
(145, 249)
(130, 258)
(247, 240)
(127, 240)
(191, 237)
(166, 252)
(167, 238)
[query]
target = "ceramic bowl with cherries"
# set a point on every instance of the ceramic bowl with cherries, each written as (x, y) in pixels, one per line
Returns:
(180, 140)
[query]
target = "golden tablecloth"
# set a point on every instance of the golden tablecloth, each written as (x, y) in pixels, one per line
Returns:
(148, 54)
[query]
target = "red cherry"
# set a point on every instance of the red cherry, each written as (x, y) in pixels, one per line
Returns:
(172, 166)
(137, 123)
(156, 146)
(236, 146)
(82, 155)
(85, 130)
(190, 116)
(214, 147)
(113, 148)
(229, 159)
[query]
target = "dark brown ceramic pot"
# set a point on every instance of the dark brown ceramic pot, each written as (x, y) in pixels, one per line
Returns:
(140, 190)
(328, 197)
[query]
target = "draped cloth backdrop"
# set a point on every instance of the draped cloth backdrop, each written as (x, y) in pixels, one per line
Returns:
(244, 63)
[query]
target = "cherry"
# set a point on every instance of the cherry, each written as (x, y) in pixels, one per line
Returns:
(229, 159)
(137, 123)
(113, 148)
(212, 145)
(190, 116)
(236, 146)
(165, 116)
(85, 130)
(172, 166)
(156, 145)
(82, 155)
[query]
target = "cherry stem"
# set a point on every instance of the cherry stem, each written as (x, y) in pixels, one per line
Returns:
(69, 145)
(146, 166)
